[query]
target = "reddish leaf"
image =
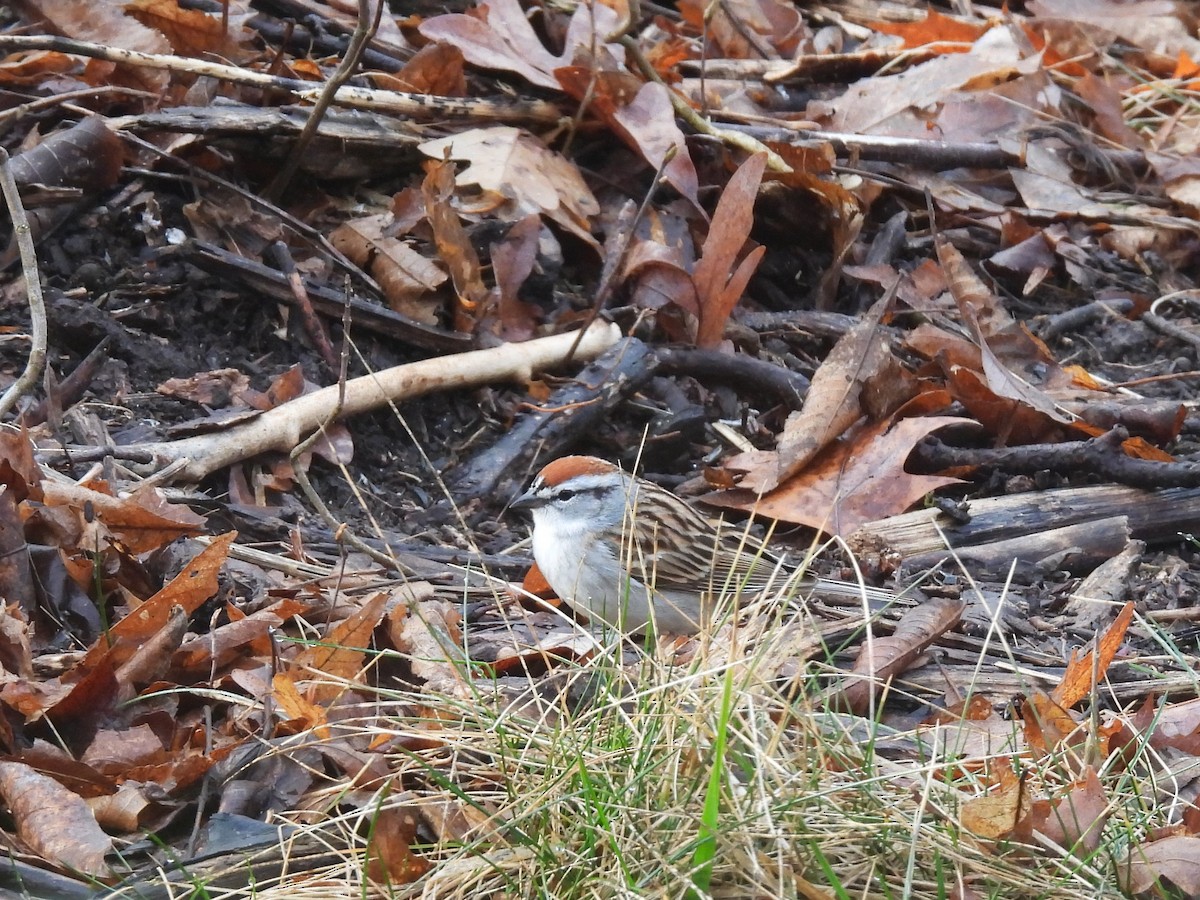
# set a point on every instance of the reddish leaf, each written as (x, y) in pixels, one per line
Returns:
(856, 481)
(718, 284)
(499, 36)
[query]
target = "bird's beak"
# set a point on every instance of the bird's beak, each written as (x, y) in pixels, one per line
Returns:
(527, 500)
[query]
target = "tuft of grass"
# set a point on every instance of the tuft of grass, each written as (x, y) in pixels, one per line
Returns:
(710, 778)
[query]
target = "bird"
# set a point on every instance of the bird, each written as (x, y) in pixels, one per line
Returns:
(633, 555)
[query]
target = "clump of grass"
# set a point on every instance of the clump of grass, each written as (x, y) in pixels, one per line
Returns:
(705, 779)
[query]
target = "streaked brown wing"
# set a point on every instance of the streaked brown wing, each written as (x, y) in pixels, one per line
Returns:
(729, 558)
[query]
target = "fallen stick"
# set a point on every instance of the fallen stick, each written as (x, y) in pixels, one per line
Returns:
(282, 428)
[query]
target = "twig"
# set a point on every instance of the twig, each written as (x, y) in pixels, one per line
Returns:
(759, 376)
(1163, 326)
(313, 325)
(283, 427)
(33, 289)
(1099, 455)
(364, 28)
(1074, 319)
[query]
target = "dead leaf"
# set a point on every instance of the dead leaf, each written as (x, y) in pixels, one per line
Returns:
(216, 389)
(1174, 859)
(995, 815)
(390, 859)
(883, 658)
(55, 823)
(1076, 820)
(143, 521)
(853, 482)
(518, 167)
(299, 714)
(341, 652)
(407, 277)
(719, 283)
(641, 115)
(834, 399)
(499, 36)
(107, 24)
(187, 590)
(1084, 673)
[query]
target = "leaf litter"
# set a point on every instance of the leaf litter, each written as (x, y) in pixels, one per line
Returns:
(159, 680)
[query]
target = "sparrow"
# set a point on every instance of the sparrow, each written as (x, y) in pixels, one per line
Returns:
(630, 553)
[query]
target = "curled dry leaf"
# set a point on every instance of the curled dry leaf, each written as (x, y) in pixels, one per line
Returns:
(883, 658)
(405, 275)
(516, 166)
(430, 636)
(55, 823)
(834, 399)
(341, 652)
(500, 37)
(641, 114)
(1009, 353)
(390, 856)
(1084, 673)
(215, 389)
(719, 283)
(454, 246)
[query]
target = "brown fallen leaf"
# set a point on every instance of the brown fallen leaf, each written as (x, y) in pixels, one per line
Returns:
(299, 713)
(55, 823)
(641, 115)
(1075, 820)
(408, 279)
(143, 521)
(429, 634)
(719, 283)
(520, 169)
(1084, 673)
(341, 652)
(187, 590)
(1050, 728)
(501, 37)
(834, 399)
(1174, 859)
(853, 482)
(390, 859)
(883, 658)
(995, 815)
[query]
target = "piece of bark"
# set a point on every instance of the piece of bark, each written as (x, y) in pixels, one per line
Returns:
(1106, 588)
(1153, 515)
(284, 427)
(326, 300)
(1075, 548)
(541, 434)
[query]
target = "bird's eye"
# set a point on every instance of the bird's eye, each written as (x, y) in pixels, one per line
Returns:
(565, 495)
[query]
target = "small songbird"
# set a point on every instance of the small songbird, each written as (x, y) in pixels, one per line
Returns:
(627, 551)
